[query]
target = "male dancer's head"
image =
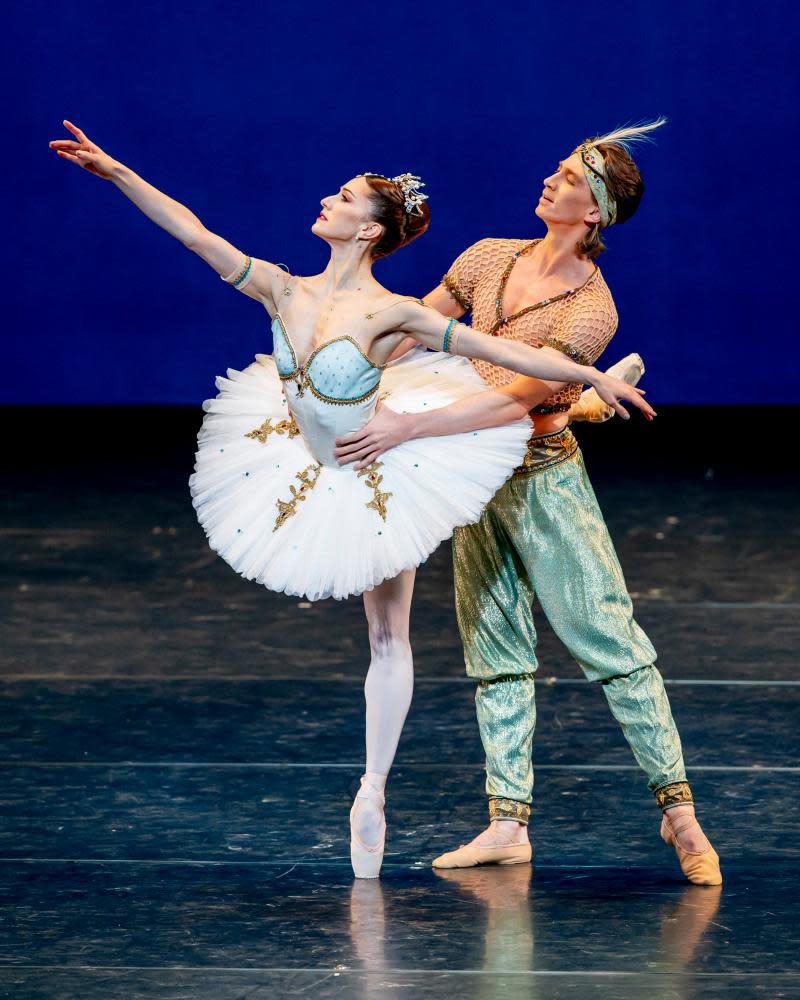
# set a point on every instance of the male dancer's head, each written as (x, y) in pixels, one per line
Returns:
(597, 186)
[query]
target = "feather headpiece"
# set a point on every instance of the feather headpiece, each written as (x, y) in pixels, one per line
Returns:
(594, 166)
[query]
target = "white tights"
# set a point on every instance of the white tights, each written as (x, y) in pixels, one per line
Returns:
(388, 687)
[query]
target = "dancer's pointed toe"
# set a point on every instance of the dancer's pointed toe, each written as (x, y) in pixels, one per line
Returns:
(699, 867)
(367, 859)
(468, 856)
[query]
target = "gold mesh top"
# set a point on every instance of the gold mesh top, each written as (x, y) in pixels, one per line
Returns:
(580, 322)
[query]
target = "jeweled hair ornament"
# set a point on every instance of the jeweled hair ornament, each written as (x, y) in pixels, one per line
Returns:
(410, 185)
(594, 166)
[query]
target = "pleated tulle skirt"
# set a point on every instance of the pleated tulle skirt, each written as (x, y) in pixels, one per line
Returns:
(279, 517)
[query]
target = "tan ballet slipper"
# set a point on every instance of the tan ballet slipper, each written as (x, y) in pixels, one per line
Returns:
(699, 867)
(468, 857)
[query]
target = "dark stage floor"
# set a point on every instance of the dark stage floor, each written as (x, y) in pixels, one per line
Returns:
(180, 747)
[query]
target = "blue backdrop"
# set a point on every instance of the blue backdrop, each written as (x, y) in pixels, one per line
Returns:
(250, 112)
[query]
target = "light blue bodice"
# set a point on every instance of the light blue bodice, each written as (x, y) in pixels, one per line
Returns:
(333, 393)
(336, 372)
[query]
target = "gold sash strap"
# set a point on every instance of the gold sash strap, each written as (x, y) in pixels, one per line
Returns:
(546, 450)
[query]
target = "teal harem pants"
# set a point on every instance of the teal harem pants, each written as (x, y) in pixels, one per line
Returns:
(543, 535)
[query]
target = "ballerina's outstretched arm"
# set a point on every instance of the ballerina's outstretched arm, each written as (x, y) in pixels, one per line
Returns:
(259, 279)
(431, 329)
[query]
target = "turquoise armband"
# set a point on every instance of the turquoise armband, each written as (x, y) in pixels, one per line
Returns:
(448, 330)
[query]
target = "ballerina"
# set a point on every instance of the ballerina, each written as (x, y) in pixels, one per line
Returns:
(267, 489)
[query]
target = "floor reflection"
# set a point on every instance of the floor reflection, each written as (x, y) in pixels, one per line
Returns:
(507, 912)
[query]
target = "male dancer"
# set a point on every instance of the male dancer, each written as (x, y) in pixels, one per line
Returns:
(543, 533)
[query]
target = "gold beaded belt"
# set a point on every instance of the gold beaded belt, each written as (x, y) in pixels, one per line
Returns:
(545, 450)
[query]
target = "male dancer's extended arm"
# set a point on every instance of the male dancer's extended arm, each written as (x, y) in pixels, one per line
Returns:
(491, 408)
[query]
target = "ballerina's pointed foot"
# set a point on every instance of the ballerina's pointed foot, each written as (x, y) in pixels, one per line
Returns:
(700, 867)
(367, 815)
(590, 406)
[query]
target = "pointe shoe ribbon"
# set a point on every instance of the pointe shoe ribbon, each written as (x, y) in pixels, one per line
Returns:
(590, 406)
(468, 857)
(366, 859)
(699, 867)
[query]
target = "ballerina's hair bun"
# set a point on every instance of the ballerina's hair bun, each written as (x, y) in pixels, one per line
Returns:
(400, 225)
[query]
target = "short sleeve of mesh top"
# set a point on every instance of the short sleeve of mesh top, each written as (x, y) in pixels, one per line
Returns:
(585, 323)
(470, 266)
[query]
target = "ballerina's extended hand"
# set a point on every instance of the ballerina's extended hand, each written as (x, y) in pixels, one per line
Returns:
(84, 153)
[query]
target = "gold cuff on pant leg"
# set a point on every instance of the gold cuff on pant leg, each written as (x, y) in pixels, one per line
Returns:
(509, 809)
(677, 794)
(501, 678)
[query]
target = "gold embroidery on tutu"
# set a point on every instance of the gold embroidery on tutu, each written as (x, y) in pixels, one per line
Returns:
(287, 508)
(373, 481)
(281, 427)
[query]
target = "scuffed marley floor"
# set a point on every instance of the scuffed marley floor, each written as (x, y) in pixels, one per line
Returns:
(179, 748)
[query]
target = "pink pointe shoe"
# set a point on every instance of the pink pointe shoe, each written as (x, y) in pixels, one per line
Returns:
(366, 859)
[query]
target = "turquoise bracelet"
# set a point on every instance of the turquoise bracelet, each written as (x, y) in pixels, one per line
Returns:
(241, 277)
(447, 332)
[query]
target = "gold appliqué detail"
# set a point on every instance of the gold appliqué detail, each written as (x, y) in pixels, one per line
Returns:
(373, 481)
(279, 427)
(509, 809)
(288, 508)
(675, 794)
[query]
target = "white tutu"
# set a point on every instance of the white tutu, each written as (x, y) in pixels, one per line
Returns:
(314, 530)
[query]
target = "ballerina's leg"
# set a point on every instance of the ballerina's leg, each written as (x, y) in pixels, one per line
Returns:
(388, 687)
